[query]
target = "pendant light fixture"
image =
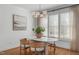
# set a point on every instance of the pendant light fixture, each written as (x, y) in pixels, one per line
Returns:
(39, 13)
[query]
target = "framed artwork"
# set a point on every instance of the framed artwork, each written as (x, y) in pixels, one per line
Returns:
(19, 22)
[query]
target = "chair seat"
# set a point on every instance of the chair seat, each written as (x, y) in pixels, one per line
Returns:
(26, 46)
(37, 49)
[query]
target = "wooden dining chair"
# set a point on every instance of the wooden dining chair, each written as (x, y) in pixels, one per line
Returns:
(24, 45)
(38, 47)
(52, 46)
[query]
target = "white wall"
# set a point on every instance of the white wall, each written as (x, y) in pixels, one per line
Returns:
(8, 37)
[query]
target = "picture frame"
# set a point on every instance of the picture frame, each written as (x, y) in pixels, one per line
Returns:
(19, 23)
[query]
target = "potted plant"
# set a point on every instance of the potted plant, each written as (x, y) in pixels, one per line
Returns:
(38, 31)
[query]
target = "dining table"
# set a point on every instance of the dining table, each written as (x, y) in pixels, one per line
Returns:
(47, 41)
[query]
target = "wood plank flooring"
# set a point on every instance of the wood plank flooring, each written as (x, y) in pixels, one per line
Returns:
(59, 51)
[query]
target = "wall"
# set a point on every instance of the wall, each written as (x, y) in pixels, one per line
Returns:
(8, 37)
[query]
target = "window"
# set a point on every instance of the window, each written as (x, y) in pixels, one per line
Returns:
(53, 25)
(59, 25)
(64, 25)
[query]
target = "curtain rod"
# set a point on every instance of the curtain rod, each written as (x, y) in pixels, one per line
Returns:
(62, 8)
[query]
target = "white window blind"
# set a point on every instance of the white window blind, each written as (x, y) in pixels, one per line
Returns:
(65, 25)
(60, 25)
(53, 25)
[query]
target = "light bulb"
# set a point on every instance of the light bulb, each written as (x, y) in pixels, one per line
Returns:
(41, 15)
(44, 12)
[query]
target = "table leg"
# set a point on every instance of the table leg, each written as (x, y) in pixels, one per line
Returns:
(54, 47)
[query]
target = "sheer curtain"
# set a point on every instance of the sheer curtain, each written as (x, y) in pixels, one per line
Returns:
(75, 29)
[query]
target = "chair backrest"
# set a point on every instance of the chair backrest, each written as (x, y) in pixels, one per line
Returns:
(36, 44)
(24, 41)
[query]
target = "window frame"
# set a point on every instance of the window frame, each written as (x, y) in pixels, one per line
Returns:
(49, 26)
(59, 21)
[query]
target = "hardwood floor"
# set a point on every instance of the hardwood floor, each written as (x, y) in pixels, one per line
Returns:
(59, 51)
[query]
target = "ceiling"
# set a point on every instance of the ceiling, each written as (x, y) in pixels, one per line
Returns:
(36, 7)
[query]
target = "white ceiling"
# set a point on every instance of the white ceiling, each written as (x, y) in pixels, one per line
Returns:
(35, 7)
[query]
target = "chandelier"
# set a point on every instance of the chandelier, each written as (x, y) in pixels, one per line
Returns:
(40, 13)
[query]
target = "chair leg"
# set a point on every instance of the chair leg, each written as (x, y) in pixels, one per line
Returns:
(35, 51)
(25, 51)
(29, 50)
(20, 50)
(54, 48)
(50, 47)
(44, 50)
